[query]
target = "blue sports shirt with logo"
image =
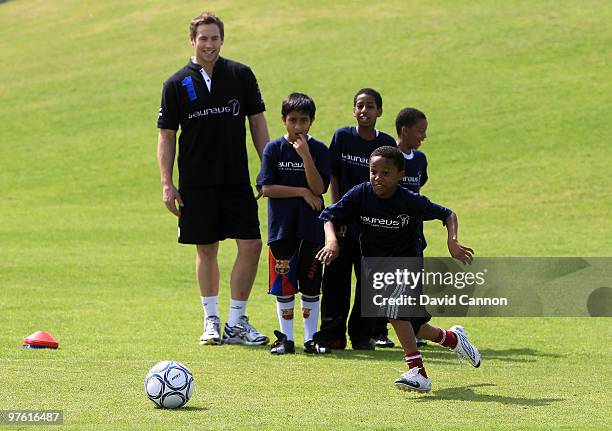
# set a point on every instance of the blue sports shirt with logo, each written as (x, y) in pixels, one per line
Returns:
(387, 227)
(290, 218)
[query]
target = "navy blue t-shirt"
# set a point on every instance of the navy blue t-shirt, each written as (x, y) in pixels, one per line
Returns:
(388, 227)
(350, 155)
(415, 175)
(212, 143)
(290, 218)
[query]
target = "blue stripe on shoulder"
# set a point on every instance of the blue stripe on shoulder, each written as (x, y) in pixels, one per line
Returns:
(187, 82)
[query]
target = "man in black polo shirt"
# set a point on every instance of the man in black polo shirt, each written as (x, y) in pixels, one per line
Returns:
(209, 99)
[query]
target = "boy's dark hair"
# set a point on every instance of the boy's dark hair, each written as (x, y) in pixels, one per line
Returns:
(370, 92)
(299, 102)
(408, 117)
(205, 18)
(391, 153)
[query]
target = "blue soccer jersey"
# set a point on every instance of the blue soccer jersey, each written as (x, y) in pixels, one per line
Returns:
(350, 155)
(388, 227)
(290, 218)
(415, 175)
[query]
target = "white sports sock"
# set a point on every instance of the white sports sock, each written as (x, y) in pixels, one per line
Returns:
(237, 310)
(310, 312)
(284, 310)
(210, 305)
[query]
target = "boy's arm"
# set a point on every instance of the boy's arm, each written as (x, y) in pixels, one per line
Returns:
(431, 211)
(334, 184)
(313, 178)
(331, 249)
(280, 192)
(456, 249)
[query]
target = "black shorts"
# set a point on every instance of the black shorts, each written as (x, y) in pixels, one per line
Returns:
(416, 322)
(215, 213)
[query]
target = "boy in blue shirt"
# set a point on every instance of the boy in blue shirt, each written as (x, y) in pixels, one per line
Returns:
(411, 126)
(376, 206)
(350, 151)
(294, 176)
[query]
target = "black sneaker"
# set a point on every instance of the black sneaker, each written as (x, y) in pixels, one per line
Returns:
(421, 343)
(384, 342)
(364, 345)
(282, 345)
(313, 348)
(322, 338)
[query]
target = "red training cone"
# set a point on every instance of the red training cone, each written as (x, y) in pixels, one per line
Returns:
(41, 339)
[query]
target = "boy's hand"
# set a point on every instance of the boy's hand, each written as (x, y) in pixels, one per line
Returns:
(301, 146)
(315, 202)
(329, 252)
(460, 252)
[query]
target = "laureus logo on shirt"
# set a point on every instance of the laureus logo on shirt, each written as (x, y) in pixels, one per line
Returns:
(413, 181)
(355, 160)
(290, 166)
(232, 107)
(401, 220)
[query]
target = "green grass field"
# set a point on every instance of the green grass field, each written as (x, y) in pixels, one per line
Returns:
(517, 97)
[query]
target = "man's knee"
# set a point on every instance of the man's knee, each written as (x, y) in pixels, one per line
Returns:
(207, 251)
(250, 247)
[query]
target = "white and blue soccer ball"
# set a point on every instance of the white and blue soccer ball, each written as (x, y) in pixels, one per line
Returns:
(169, 384)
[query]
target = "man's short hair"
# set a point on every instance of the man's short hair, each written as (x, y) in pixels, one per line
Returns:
(407, 117)
(370, 92)
(391, 153)
(298, 102)
(205, 18)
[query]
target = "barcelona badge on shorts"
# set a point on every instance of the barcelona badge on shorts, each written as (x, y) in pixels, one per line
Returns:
(283, 276)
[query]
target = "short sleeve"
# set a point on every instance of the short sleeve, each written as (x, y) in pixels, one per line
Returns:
(335, 153)
(323, 165)
(253, 98)
(428, 210)
(424, 176)
(267, 173)
(346, 210)
(168, 116)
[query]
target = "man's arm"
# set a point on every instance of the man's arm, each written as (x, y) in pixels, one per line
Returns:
(458, 251)
(259, 132)
(166, 150)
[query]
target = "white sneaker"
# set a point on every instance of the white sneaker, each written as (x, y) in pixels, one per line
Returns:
(212, 331)
(243, 333)
(412, 380)
(465, 349)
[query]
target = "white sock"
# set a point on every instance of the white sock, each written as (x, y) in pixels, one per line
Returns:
(210, 305)
(237, 310)
(284, 310)
(310, 312)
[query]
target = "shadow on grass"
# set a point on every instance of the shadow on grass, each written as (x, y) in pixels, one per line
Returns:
(437, 354)
(189, 408)
(467, 393)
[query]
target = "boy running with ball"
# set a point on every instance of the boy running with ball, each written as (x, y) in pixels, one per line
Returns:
(382, 199)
